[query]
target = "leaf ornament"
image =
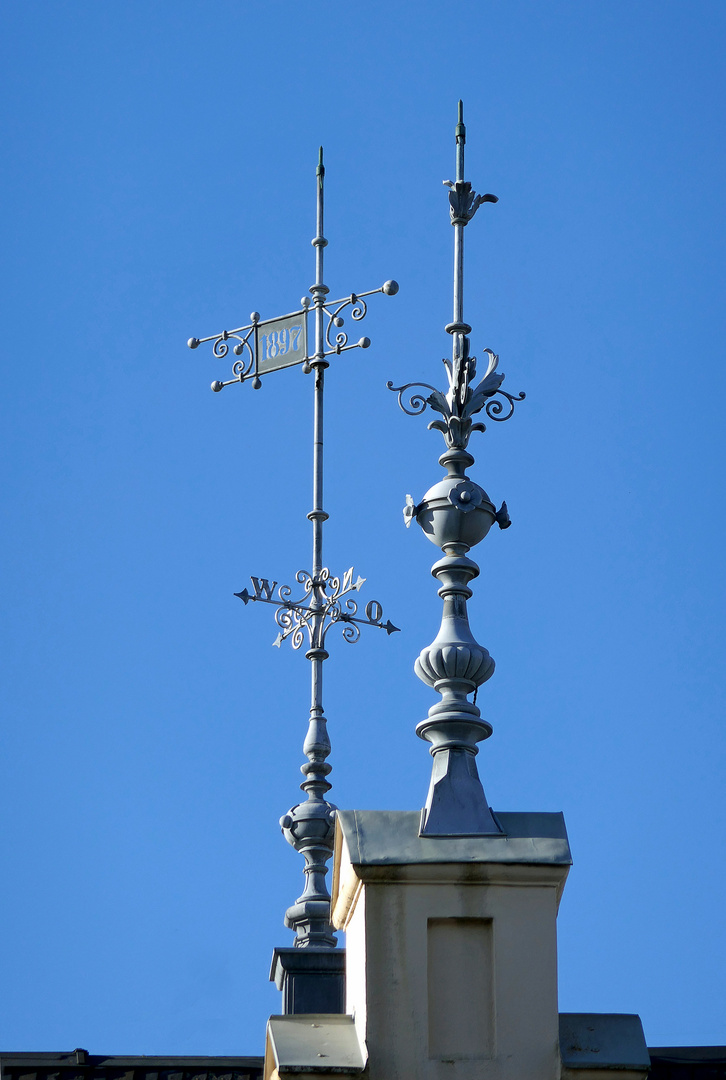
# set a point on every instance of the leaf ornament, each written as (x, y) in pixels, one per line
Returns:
(487, 388)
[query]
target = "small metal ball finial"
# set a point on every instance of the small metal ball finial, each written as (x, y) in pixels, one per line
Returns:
(364, 342)
(217, 386)
(193, 342)
(254, 316)
(390, 288)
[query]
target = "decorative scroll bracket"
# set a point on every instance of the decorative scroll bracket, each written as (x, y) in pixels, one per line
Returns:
(269, 345)
(462, 401)
(321, 607)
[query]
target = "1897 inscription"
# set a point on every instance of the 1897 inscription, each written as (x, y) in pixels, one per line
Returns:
(282, 343)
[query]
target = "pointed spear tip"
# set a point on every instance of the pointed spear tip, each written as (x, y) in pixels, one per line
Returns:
(320, 156)
(461, 111)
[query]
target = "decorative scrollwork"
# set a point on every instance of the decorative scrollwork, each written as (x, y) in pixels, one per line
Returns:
(306, 579)
(242, 368)
(359, 310)
(325, 603)
(284, 618)
(495, 408)
(220, 347)
(417, 402)
(351, 633)
(341, 338)
(463, 400)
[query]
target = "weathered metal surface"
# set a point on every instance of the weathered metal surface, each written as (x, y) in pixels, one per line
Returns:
(455, 514)
(282, 342)
(261, 347)
(612, 1041)
(392, 837)
(317, 1042)
(311, 980)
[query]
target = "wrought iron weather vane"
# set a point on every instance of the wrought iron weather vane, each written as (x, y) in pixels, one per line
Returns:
(263, 346)
(455, 514)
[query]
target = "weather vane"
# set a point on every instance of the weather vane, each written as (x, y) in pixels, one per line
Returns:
(263, 346)
(455, 514)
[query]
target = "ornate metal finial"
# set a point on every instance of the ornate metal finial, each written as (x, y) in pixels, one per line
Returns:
(455, 514)
(266, 345)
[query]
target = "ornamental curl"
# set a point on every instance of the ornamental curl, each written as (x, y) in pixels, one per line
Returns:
(284, 618)
(304, 578)
(417, 402)
(359, 310)
(220, 347)
(463, 400)
(351, 633)
(341, 338)
(242, 368)
(495, 408)
(293, 622)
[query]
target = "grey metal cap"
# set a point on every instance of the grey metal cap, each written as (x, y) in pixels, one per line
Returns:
(318, 1042)
(391, 837)
(603, 1041)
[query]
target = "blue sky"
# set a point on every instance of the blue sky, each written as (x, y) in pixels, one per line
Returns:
(158, 183)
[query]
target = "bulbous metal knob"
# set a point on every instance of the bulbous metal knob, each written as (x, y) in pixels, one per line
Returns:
(455, 511)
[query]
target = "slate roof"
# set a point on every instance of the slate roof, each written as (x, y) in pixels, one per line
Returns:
(667, 1063)
(687, 1062)
(80, 1065)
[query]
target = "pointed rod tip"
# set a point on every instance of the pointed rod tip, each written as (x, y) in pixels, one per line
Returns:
(460, 129)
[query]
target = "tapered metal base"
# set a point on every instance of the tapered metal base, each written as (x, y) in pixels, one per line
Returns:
(456, 804)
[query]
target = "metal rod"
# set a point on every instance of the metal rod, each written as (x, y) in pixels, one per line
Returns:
(318, 515)
(310, 915)
(457, 343)
(319, 292)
